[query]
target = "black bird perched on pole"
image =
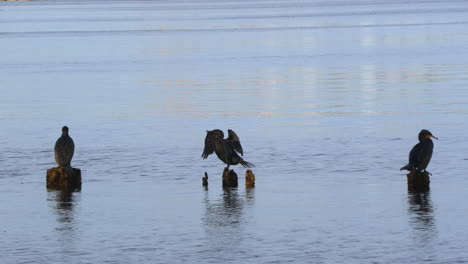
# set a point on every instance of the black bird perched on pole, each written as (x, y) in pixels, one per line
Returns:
(421, 154)
(64, 149)
(225, 149)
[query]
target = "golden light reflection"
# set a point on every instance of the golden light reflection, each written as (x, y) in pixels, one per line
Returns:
(303, 92)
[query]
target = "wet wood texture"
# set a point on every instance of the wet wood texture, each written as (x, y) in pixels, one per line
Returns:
(229, 178)
(418, 181)
(205, 180)
(60, 178)
(249, 179)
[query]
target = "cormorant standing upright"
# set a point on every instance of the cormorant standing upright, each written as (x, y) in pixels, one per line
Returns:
(421, 154)
(64, 149)
(225, 149)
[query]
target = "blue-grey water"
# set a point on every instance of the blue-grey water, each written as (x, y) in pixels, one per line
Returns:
(327, 97)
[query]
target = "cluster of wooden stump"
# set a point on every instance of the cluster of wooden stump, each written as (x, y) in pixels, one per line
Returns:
(68, 178)
(230, 179)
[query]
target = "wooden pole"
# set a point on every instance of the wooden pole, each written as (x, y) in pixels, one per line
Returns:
(418, 181)
(205, 180)
(249, 179)
(229, 178)
(63, 178)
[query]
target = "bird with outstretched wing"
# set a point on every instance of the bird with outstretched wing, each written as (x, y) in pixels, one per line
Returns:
(226, 149)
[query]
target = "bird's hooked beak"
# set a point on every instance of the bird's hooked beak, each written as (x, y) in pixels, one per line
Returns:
(431, 136)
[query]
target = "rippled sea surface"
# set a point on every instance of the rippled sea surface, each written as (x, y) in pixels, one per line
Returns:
(327, 97)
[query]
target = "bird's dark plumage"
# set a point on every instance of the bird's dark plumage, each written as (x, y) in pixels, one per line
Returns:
(64, 149)
(234, 140)
(421, 154)
(225, 149)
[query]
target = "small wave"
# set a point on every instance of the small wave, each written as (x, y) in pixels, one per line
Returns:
(197, 30)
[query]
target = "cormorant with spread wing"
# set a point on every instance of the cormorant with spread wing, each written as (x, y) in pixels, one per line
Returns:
(421, 154)
(225, 149)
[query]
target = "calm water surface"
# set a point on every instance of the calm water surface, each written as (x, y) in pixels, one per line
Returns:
(326, 96)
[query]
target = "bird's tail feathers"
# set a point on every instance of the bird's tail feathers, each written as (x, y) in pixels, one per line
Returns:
(246, 164)
(407, 167)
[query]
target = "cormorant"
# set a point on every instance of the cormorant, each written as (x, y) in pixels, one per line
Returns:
(64, 149)
(421, 153)
(225, 149)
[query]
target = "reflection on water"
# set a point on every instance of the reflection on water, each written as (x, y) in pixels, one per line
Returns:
(306, 83)
(421, 215)
(225, 211)
(63, 204)
(224, 220)
(250, 196)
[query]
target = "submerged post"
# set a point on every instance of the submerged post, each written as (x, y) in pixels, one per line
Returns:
(205, 180)
(229, 178)
(418, 181)
(63, 178)
(249, 179)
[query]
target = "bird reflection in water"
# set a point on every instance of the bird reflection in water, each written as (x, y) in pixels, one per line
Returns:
(224, 219)
(225, 211)
(421, 214)
(63, 203)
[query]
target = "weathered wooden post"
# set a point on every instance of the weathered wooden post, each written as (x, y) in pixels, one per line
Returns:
(249, 179)
(418, 181)
(229, 178)
(63, 178)
(205, 180)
